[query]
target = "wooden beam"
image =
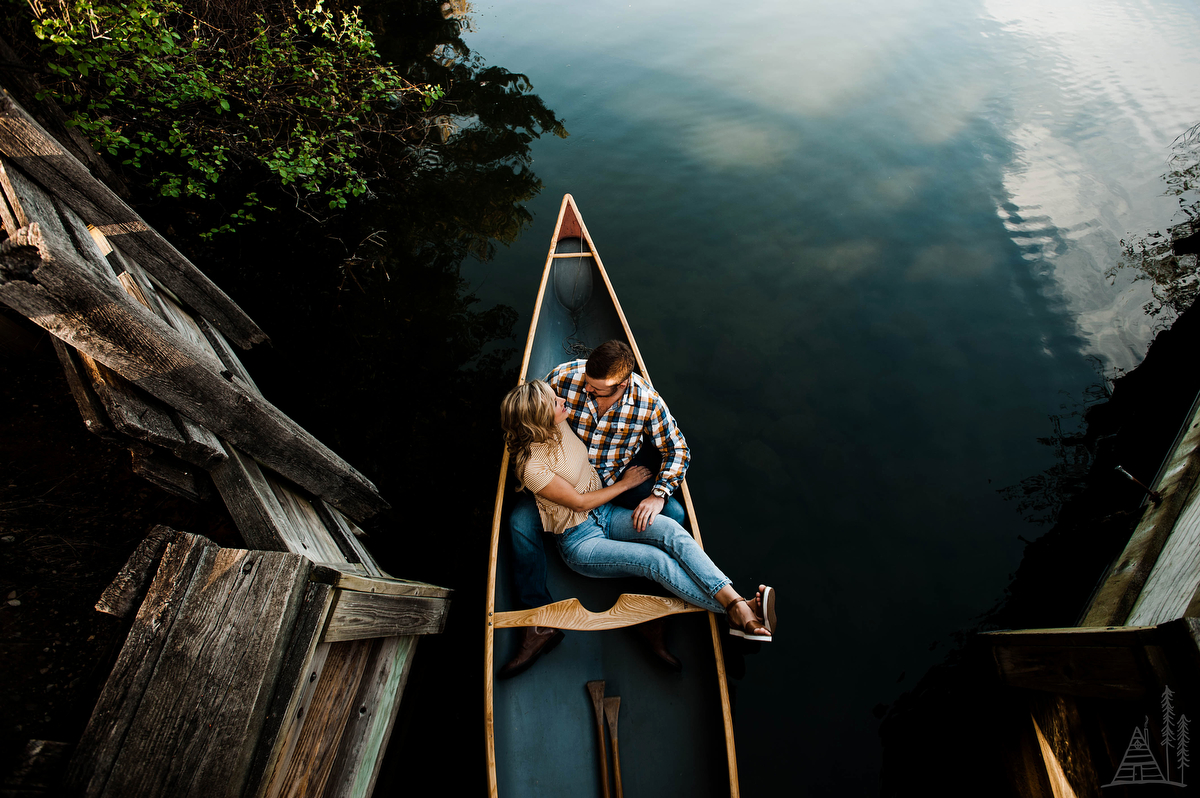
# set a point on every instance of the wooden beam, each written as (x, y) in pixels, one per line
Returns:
(302, 665)
(170, 473)
(339, 577)
(358, 616)
(1122, 588)
(95, 418)
(199, 717)
(1102, 663)
(253, 499)
(630, 609)
(125, 593)
(365, 737)
(24, 142)
(312, 742)
(43, 277)
(117, 707)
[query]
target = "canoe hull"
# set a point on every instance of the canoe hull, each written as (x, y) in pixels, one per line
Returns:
(675, 729)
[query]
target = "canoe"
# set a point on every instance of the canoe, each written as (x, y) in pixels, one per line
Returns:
(676, 730)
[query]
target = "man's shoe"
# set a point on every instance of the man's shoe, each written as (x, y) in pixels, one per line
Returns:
(653, 634)
(535, 641)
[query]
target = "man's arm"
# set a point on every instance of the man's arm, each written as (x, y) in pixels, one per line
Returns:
(669, 441)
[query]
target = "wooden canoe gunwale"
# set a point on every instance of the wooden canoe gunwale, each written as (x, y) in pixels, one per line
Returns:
(619, 615)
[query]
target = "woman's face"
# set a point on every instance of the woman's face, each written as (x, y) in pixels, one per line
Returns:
(560, 409)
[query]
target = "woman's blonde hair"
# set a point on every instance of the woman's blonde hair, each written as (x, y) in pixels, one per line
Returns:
(527, 417)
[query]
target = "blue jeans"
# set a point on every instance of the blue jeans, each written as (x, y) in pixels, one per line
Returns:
(529, 553)
(608, 545)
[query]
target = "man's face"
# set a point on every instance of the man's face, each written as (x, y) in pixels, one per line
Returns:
(602, 389)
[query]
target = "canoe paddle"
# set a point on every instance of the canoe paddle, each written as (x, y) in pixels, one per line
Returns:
(611, 707)
(596, 690)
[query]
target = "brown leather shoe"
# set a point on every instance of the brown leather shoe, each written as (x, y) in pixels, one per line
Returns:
(535, 641)
(654, 635)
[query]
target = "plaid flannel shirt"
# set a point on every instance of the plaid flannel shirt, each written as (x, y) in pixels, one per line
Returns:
(615, 439)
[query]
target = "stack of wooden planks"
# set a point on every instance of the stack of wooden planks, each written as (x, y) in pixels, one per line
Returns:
(271, 671)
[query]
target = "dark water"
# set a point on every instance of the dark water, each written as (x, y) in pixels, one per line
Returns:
(863, 251)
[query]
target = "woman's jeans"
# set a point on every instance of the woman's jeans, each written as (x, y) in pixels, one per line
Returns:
(608, 545)
(529, 553)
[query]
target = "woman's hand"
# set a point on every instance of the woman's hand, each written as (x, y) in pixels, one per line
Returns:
(634, 476)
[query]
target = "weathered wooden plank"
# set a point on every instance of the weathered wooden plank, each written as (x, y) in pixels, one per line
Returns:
(346, 534)
(359, 616)
(132, 412)
(39, 207)
(95, 418)
(30, 147)
(1175, 579)
(1116, 598)
(1112, 662)
(339, 576)
(199, 719)
(200, 446)
(170, 473)
(318, 543)
(117, 707)
(125, 593)
(306, 769)
(45, 280)
(369, 727)
(233, 364)
(264, 522)
(302, 665)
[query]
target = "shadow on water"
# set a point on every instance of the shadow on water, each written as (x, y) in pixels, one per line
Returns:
(381, 350)
(959, 707)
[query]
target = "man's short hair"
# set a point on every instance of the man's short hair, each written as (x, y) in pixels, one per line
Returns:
(612, 360)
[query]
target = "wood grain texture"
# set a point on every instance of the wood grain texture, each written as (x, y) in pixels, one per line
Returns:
(336, 575)
(629, 610)
(95, 417)
(1175, 578)
(130, 410)
(200, 716)
(1119, 594)
(254, 503)
(25, 143)
(311, 754)
(369, 727)
(43, 277)
(346, 534)
(125, 593)
(117, 707)
(358, 616)
(302, 664)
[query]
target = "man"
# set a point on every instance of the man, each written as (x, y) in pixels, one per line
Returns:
(610, 408)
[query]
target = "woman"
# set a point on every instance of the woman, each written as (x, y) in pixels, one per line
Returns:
(596, 538)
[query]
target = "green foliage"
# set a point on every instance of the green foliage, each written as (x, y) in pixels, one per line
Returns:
(306, 98)
(1169, 261)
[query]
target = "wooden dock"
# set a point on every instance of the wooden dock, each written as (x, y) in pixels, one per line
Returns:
(273, 670)
(1136, 651)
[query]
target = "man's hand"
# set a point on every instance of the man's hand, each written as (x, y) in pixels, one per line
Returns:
(646, 511)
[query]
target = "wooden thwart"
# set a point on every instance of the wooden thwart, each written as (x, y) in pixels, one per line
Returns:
(630, 609)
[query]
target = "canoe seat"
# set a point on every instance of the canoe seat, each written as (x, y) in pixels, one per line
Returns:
(630, 609)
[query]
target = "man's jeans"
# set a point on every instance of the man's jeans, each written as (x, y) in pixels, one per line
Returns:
(607, 545)
(529, 552)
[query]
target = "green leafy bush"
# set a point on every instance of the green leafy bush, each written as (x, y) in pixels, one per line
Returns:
(304, 97)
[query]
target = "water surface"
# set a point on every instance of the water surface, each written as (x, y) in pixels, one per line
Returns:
(863, 250)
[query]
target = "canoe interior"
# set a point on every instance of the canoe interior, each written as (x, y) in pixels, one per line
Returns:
(671, 733)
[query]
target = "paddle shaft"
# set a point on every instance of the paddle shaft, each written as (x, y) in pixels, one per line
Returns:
(596, 691)
(611, 707)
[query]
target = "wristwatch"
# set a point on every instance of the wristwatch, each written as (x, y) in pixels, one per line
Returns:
(661, 493)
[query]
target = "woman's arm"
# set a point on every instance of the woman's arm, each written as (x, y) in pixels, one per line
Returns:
(560, 491)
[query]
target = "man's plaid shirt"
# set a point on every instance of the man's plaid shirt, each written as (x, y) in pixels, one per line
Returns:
(613, 441)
